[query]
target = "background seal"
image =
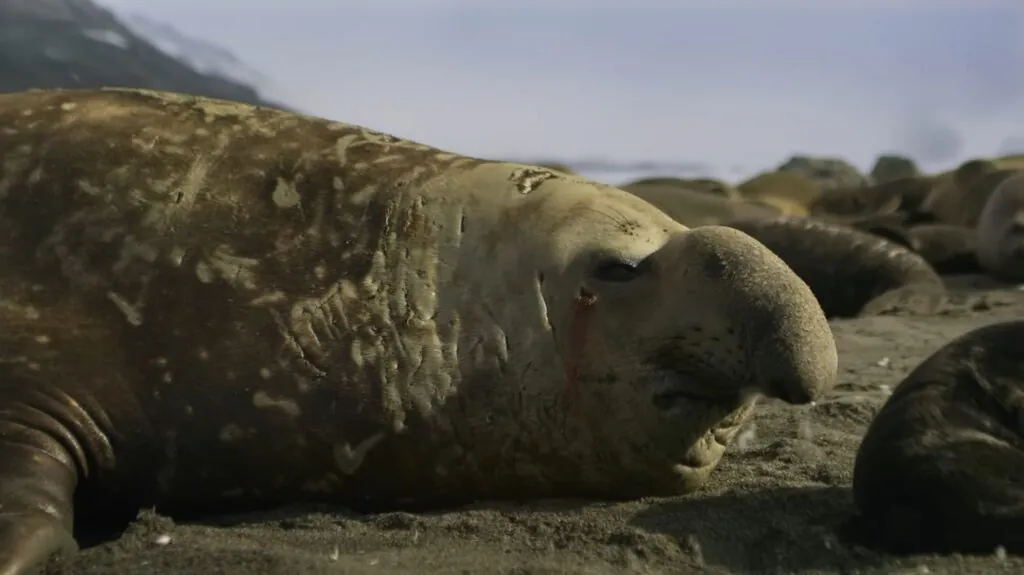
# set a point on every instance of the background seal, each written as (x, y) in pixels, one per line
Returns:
(852, 273)
(941, 467)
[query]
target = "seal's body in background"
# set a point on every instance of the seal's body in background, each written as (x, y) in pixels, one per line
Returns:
(210, 306)
(1000, 230)
(852, 273)
(941, 467)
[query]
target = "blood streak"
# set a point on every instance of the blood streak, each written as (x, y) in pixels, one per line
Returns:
(578, 328)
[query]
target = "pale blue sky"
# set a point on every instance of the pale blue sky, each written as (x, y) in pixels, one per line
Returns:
(641, 79)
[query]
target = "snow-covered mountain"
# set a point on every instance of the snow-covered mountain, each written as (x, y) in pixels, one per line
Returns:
(202, 55)
(79, 44)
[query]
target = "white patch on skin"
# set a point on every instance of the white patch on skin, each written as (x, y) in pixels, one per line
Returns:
(285, 195)
(265, 373)
(262, 400)
(130, 250)
(167, 377)
(530, 178)
(357, 353)
(239, 272)
(42, 339)
(349, 460)
(131, 313)
(88, 188)
(362, 196)
(341, 147)
(28, 312)
(543, 304)
(176, 256)
(203, 272)
(160, 361)
(320, 271)
(203, 354)
(269, 298)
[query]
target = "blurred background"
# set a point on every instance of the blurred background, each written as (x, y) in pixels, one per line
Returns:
(615, 90)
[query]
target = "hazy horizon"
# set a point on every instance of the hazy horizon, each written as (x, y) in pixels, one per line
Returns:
(735, 85)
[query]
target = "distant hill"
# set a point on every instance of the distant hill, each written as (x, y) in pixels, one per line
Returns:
(78, 44)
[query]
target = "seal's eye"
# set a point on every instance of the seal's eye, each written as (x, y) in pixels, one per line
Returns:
(618, 271)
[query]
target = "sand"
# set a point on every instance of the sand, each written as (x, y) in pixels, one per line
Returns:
(779, 502)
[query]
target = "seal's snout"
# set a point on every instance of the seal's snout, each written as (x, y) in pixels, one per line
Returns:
(778, 381)
(773, 322)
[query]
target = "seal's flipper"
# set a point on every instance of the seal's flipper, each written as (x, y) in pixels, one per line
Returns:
(36, 488)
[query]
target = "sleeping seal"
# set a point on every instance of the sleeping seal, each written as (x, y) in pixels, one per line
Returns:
(960, 197)
(694, 208)
(1000, 231)
(948, 248)
(207, 306)
(852, 273)
(941, 468)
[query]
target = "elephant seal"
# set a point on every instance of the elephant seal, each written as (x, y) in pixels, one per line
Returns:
(899, 196)
(208, 306)
(948, 248)
(852, 273)
(960, 198)
(941, 467)
(791, 186)
(785, 206)
(706, 185)
(1000, 231)
(693, 209)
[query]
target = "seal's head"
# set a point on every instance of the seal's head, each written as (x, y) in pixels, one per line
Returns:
(1000, 230)
(664, 335)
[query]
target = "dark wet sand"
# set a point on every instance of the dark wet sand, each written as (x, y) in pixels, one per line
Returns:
(779, 502)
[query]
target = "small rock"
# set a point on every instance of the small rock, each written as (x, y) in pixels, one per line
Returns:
(828, 173)
(890, 167)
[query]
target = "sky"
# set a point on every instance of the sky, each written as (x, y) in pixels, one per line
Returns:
(730, 84)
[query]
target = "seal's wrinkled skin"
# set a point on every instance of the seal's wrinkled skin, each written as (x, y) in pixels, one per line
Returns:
(941, 468)
(207, 306)
(1000, 230)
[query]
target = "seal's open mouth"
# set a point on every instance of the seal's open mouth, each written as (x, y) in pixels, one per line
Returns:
(673, 388)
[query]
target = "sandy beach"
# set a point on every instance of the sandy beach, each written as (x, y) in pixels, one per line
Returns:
(780, 501)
